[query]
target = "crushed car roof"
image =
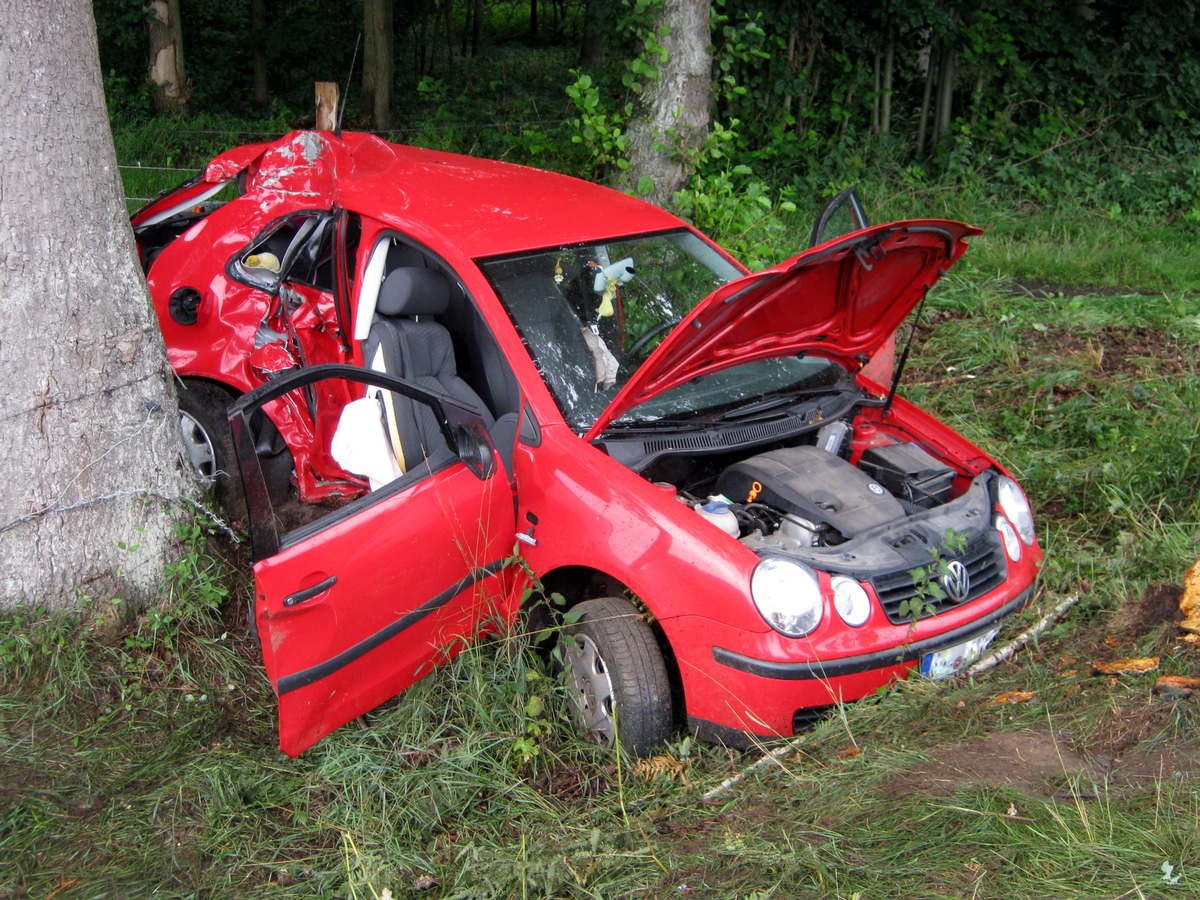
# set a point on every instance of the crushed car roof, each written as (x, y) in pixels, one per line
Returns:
(483, 207)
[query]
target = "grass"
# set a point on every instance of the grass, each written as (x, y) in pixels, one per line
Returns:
(139, 757)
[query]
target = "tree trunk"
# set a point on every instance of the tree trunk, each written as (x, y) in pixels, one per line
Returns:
(945, 94)
(477, 29)
(258, 34)
(377, 62)
(598, 16)
(91, 434)
(672, 122)
(165, 37)
(927, 92)
(889, 68)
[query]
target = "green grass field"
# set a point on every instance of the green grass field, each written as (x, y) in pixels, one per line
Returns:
(139, 759)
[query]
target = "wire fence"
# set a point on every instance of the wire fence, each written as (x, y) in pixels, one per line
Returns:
(152, 138)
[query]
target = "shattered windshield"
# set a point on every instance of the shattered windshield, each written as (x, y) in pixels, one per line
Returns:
(590, 315)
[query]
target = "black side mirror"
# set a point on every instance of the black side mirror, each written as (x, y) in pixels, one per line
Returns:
(475, 449)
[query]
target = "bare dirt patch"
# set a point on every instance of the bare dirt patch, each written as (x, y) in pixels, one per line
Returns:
(1037, 763)
(1140, 739)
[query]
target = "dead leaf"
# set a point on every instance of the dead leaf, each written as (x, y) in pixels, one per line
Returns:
(1014, 697)
(1177, 684)
(661, 767)
(849, 753)
(1135, 666)
(1189, 600)
(1191, 624)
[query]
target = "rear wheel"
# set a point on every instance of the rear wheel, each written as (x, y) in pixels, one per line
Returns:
(617, 677)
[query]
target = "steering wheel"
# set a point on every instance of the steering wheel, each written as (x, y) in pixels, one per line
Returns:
(634, 355)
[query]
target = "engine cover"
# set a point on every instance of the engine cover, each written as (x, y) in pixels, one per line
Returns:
(814, 484)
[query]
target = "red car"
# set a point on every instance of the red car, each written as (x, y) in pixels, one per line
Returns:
(473, 373)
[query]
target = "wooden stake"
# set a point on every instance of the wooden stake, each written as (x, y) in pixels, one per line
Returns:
(327, 105)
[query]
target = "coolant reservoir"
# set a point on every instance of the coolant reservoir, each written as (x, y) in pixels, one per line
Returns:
(720, 515)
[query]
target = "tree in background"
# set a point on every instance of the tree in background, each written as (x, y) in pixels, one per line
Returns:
(671, 121)
(165, 36)
(90, 436)
(378, 66)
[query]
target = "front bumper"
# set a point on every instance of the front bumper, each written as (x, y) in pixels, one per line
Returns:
(880, 659)
(763, 699)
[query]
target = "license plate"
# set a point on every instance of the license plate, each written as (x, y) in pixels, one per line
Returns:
(949, 660)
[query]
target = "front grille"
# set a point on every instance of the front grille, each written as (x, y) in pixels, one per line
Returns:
(984, 560)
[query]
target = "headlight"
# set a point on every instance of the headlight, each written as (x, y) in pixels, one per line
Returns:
(850, 600)
(1012, 546)
(1016, 507)
(787, 595)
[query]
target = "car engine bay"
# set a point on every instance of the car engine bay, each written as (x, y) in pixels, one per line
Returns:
(846, 498)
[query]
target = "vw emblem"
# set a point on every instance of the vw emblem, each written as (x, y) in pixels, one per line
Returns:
(956, 581)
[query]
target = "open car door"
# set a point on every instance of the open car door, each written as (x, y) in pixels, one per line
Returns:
(355, 606)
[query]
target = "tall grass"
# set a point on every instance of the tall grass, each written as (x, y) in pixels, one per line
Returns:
(138, 755)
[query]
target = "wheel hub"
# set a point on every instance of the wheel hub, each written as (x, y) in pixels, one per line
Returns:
(200, 451)
(592, 689)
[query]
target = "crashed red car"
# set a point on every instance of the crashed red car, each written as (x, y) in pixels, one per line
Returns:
(444, 358)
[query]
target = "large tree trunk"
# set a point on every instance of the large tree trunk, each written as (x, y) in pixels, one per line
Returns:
(165, 36)
(90, 434)
(377, 62)
(673, 120)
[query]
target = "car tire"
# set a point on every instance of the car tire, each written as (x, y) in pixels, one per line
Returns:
(616, 676)
(208, 445)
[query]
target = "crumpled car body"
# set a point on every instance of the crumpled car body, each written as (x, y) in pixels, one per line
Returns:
(482, 377)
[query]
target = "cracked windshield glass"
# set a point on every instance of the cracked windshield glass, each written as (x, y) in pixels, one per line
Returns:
(590, 315)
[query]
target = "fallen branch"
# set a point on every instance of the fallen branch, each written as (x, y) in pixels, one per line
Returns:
(988, 662)
(773, 755)
(995, 658)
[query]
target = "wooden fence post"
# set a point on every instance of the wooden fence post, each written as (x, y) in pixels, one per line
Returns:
(327, 105)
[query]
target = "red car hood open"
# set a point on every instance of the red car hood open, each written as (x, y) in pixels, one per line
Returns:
(841, 300)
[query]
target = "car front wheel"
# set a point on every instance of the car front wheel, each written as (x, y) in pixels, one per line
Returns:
(208, 444)
(617, 677)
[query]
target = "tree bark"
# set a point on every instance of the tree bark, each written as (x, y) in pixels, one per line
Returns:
(377, 62)
(672, 123)
(90, 433)
(165, 37)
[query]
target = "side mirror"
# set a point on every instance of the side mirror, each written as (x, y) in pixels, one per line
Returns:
(848, 200)
(475, 449)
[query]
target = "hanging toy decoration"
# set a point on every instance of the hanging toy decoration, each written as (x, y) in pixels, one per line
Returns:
(558, 271)
(608, 279)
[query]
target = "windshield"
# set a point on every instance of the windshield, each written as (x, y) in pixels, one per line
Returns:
(591, 314)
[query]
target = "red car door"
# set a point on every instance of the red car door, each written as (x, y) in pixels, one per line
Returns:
(353, 608)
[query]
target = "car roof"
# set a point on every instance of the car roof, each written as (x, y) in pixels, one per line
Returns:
(483, 207)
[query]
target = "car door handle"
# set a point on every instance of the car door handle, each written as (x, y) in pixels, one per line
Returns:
(308, 593)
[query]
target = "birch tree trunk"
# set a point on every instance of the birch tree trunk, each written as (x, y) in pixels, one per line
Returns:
(674, 113)
(165, 35)
(90, 433)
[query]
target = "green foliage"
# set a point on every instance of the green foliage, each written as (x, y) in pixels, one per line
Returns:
(927, 587)
(599, 129)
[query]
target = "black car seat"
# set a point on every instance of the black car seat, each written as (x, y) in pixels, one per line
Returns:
(406, 342)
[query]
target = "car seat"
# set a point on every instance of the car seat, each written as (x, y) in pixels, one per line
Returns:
(406, 342)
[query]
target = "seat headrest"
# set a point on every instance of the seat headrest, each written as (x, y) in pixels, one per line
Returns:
(413, 292)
